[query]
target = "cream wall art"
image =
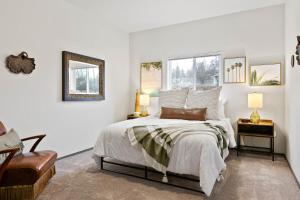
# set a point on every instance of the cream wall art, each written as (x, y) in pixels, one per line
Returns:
(265, 75)
(234, 70)
(151, 78)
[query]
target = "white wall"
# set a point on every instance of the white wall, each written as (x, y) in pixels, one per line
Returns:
(292, 27)
(33, 103)
(257, 34)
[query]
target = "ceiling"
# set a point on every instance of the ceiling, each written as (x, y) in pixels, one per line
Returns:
(138, 15)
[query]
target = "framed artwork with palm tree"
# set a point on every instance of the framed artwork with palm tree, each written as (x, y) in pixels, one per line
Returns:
(265, 75)
(234, 70)
(151, 78)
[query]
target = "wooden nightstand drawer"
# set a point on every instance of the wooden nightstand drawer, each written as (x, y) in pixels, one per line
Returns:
(268, 130)
(263, 127)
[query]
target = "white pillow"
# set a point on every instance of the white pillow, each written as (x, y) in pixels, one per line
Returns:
(205, 99)
(221, 104)
(221, 109)
(10, 140)
(173, 98)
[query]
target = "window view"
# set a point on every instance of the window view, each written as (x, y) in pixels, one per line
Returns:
(194, 72)
(84, 78)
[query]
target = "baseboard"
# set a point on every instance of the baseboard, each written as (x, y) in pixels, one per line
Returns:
(297, 181)
(73, 154)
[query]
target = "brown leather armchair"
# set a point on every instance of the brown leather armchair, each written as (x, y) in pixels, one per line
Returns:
(24, 176)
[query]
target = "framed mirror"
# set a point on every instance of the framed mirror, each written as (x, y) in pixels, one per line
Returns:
(83, 77)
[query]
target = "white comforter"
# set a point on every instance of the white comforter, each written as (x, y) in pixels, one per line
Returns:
(196, 155)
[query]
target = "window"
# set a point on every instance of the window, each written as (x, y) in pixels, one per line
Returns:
(193, 72)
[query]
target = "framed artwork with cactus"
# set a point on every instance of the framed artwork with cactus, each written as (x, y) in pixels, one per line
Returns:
(265, 75)
(234, 70)
(151, 78)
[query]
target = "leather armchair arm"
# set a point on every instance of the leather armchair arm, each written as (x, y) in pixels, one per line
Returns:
(39, 139)
(11, 154)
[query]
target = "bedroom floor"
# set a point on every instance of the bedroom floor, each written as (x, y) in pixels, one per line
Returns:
(249, 176)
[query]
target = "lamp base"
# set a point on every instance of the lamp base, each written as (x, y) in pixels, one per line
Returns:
(254, 118)
(136, 114)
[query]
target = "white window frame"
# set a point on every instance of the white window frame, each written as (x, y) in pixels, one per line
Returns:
(73, 81)
(194, 67)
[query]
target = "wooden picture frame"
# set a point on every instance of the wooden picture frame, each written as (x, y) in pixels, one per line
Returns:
(265, 75)
(234, 70)
(83, 78)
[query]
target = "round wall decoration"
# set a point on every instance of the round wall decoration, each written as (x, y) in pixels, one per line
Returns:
(21, 63)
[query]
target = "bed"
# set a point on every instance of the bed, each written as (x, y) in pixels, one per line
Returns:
(195, 155)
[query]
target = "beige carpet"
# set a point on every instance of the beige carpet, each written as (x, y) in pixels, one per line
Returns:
(246, 177)
(92, 184)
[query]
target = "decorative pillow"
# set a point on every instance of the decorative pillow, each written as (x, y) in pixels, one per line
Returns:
(221, 109)
(205, 99)
(173, 98)
(10, 140)
(183, 113)
(222, 102)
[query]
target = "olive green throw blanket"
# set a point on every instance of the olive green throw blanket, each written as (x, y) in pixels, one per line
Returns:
(156, 142)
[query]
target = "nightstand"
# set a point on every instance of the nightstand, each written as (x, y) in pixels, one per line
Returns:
(132, 116)
(263, 129)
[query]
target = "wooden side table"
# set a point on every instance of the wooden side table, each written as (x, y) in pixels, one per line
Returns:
(264, 129)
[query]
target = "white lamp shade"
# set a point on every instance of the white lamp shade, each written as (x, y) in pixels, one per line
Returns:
(255, 100)
(144, 100)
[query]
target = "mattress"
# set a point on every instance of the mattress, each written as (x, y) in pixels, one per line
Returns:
(196, 155)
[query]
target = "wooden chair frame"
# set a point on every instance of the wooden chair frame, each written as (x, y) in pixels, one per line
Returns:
(13, 151)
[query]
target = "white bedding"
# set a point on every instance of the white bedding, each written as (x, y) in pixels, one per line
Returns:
(196, 155)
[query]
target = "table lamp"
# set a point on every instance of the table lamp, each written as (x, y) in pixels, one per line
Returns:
(144, 102)
(255, 101)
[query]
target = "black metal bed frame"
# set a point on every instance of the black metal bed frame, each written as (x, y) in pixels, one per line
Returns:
(146, 177)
